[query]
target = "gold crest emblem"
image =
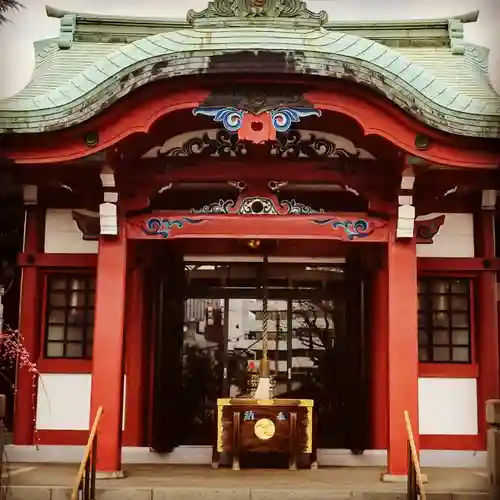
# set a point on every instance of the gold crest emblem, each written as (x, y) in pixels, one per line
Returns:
(264, 429)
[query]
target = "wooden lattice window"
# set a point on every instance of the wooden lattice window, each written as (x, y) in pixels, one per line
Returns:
(444, 320)
(70, 316)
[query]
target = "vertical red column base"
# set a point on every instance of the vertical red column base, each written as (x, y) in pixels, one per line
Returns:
(402, 354)
(108, 359)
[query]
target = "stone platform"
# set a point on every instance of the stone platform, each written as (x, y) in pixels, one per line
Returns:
(160, 482)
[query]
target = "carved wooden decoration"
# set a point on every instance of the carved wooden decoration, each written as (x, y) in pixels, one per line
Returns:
(291, 145)
(88, 223)
(256, 116)
(261, 214)
(257, 9)
(425, 230)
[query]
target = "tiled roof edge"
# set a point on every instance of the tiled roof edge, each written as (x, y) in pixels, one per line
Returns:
(187, 52)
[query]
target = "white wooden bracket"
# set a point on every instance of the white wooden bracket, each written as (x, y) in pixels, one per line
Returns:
(406, 211)
(488, 199)
(108, 210)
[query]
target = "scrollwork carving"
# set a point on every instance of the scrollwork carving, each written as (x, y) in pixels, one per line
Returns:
(224, 145)
(257, 9)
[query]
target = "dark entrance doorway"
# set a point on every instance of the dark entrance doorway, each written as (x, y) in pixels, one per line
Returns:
(209, 323)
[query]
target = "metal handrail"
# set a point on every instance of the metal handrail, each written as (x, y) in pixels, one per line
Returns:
(84, 488)
(415, 486)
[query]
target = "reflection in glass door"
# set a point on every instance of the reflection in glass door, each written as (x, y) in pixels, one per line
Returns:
(302, 341)
(202, 367)
(312, 356)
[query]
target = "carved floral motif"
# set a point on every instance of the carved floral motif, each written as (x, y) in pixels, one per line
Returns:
(224, 145)
(359, 228)
(257, 9)
(156, 226)
(293, 146)
(232, 119)
(425, 230)
(294, 208)
(257, 205)
(290, 145)
(219, 207)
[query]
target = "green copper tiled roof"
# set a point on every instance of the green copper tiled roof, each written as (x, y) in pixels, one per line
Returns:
(78, 75)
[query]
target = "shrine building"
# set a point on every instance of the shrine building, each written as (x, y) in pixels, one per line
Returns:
(167, 165)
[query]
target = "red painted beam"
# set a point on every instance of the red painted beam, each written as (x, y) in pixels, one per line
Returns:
(388, 121)
(178, 225)
(118, 122)
(458, 264)
(208, 170)
(56, 260)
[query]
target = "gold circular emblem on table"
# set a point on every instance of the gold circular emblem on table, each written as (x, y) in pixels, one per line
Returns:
(264, 429)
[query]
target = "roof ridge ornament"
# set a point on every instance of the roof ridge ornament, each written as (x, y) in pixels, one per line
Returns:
(257, 9)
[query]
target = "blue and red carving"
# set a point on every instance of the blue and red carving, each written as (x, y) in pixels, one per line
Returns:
(284, 118)
(359, 228)
(232, 118)
(156, 226)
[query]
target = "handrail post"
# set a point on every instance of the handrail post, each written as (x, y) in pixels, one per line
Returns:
(415, 485)
(493, 446)
(93, 466)
(85, 480)
(412, 487)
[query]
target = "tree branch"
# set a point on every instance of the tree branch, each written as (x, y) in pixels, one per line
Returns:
(5, 6)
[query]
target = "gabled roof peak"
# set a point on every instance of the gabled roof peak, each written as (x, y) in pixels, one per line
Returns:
(257, 10)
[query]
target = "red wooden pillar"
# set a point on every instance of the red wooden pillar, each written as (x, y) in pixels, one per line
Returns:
(29, 328)
(135, 352)
(487, 316)
(402, 352)
(379, 363)
(108, 359)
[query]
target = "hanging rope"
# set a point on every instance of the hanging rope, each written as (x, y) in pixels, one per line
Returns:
(265, 320)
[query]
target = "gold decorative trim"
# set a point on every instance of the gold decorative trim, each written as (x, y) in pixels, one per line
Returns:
(220, 426)
(307, 402)
(309, 429)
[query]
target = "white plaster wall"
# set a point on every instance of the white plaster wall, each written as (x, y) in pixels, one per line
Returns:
(454, 239)
(448, 406)
(63, 401)
(62, 234)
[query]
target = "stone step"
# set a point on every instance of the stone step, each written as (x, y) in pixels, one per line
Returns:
(246, 493)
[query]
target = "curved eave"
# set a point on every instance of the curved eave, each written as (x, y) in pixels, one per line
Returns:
(307, 52)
